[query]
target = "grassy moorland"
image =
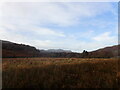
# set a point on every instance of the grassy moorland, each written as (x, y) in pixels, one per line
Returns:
(60, 73)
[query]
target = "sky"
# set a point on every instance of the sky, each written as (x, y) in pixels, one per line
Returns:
(75, 26)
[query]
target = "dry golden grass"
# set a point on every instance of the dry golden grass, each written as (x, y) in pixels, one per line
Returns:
(60, 73)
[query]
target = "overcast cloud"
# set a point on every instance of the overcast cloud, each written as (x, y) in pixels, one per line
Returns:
(73, 26)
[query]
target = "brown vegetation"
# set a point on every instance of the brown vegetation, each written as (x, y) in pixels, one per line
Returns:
(60, 73)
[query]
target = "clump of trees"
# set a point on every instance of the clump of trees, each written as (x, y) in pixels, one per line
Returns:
(84, 54)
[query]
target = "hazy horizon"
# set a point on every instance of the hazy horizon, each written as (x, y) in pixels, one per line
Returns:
(69, 26)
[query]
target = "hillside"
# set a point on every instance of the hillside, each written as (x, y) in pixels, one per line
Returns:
(112, 51)
(58, 50)
(10, 49)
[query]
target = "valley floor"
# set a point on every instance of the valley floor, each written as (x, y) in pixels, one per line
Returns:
(60, 73)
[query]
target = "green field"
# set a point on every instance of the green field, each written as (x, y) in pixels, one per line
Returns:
(60, 73)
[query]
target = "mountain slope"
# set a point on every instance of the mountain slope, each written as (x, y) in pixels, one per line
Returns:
(10, 49)
(58, 50)
(112, 51)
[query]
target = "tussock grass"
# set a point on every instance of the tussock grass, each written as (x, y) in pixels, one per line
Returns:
(60, 73)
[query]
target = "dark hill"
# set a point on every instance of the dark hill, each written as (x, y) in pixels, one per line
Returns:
(108, 52)
(10, 49)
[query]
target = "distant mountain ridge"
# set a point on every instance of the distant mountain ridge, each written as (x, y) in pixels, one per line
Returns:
(10, 49)
(58, 50)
